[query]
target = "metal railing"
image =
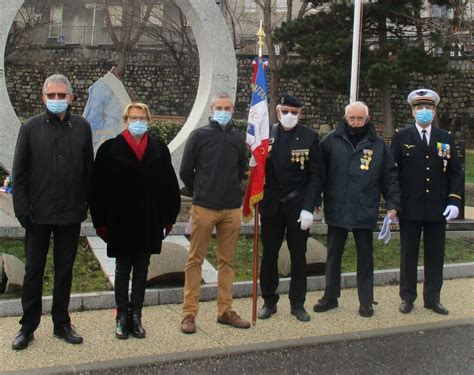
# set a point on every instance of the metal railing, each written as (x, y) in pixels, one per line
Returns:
(77, 35)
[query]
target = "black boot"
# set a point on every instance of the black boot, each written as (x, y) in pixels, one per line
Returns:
(136, 325)
(122, 329)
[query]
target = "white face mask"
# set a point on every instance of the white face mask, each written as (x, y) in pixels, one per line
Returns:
(288, 121)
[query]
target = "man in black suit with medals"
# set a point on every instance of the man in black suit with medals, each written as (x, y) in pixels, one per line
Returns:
(431, 183)
(292, 191)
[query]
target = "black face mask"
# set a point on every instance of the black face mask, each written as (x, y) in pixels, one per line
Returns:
(362, 130)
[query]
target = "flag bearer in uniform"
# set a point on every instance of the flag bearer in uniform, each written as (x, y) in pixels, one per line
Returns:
(431, 183)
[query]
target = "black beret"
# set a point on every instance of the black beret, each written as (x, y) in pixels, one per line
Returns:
(290, 101)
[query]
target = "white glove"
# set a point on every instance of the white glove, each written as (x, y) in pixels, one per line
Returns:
(451, 212)
(306, 219)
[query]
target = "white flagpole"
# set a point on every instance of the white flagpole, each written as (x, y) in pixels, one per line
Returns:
(356, 38)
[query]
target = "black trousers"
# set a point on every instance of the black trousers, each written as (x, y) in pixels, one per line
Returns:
(365, 263)
(138, 263)
(273, 232)
(66, 238)
(434, 237)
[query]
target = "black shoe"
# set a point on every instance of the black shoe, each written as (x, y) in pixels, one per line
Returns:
(325, 304)
(300, 313)
(267, 311)
(366, 310)
(437, 307)
(122, 328)
(68, 334)
(136, 326)
(22, 339)
(406, 307)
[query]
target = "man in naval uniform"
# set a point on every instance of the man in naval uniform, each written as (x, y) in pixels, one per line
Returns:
(430, 177)
(292, 191)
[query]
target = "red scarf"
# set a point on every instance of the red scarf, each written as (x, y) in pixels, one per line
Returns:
(138, 148)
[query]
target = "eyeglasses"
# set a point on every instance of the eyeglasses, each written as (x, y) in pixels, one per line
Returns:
(356, 118)
(59, 95)
(286, 111)
(137, 118)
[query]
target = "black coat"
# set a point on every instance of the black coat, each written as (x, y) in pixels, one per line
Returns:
(352, 194)
(427, 187)
(284, 177)
(134, 199)
(52, 169)
(213, 166)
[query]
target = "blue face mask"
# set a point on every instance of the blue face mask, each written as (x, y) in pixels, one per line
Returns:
(222, 117)
(57, 106)
(424, 116)
(137, 128)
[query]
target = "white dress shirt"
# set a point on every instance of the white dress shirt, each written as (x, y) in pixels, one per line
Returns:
(428, 131)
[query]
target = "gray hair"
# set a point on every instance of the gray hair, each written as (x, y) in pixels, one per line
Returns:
(220, 95)
(57, 78)
(357, 105)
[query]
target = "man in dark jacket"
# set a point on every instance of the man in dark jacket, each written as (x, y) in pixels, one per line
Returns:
(292, 190)
(358, 167)
(212, 168)
(51, 169)
(431, 184)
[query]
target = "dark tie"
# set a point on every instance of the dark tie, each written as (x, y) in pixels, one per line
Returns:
(423, 137)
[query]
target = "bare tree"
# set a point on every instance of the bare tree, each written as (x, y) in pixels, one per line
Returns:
(174, 34)
(276, 61)
(27, 21)
(132, 25)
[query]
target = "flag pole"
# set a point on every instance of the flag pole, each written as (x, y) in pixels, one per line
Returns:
(356, 39)
(261, 42)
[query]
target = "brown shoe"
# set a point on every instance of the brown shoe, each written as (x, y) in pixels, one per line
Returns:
(232, 319)
(188, 324)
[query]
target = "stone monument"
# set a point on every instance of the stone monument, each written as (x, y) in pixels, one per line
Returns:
(217, 64)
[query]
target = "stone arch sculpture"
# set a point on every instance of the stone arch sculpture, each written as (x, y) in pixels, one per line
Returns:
(217, 62)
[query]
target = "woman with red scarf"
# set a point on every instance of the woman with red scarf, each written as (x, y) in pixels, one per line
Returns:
(134, 204)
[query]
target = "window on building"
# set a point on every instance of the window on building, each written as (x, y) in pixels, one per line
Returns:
(250, 6)
(56, 21)
(115, 12)
(439, 11)
(281, 6)
(156, 14)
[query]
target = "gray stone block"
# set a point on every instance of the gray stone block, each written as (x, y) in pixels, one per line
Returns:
(385, 277)
(151, 297)
(10, 307)
(97, 301)
(243, 289)
(315, 254)
(349, 280)
(170, 296)
(208, 292)
(47, 303)
(454, 271)
(75, 302)
(169, 264)
(316, 283)
(14, 270)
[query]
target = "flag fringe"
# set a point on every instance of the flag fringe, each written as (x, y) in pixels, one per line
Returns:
(252, 201)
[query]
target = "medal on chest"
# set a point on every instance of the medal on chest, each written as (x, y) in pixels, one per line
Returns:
(366, 159)
(300, 156)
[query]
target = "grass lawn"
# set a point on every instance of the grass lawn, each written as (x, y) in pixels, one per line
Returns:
(87, 275)
(385, 256)
(469, 168)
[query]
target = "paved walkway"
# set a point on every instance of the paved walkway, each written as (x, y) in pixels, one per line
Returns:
(165, 342)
